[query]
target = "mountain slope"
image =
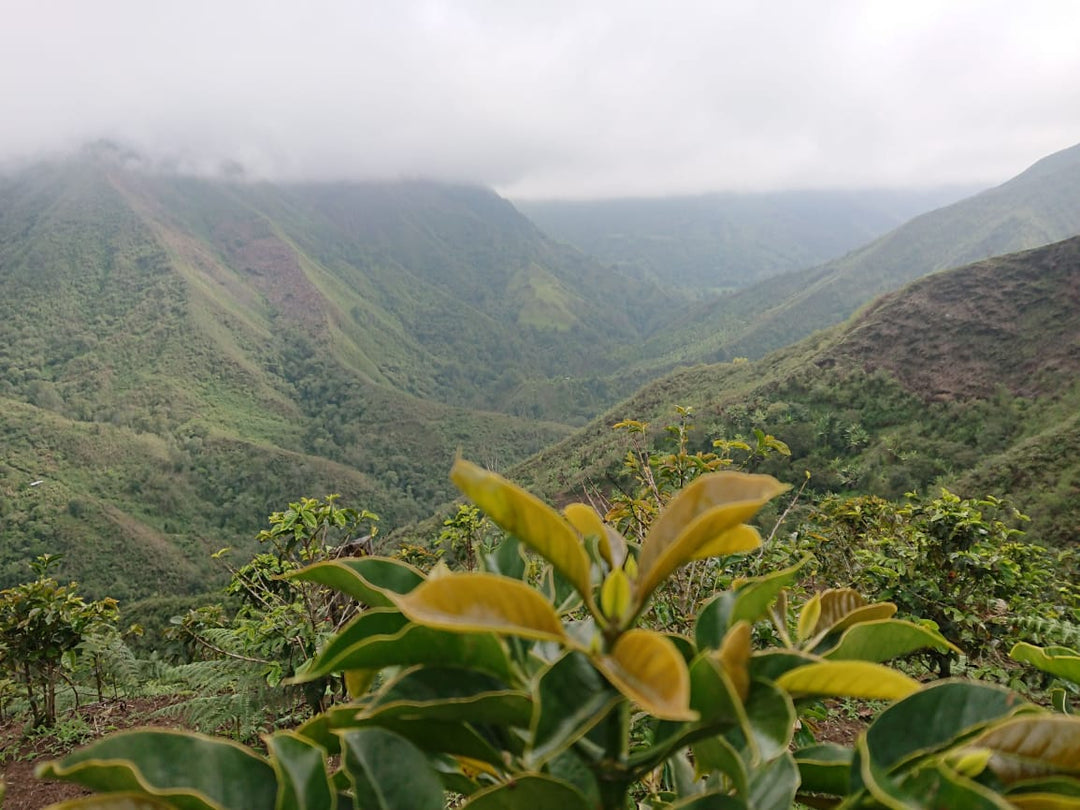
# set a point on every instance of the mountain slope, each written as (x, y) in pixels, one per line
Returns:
(967, 377)
(1037, 207)
(228, 347)
(727, 241)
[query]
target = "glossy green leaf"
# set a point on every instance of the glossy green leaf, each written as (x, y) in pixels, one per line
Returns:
(572, 768)
(866, 613)
(770, 721)
(529, 791)
(571, 698)
(773, 786)
(437, 737)
(933, 718)
(388, 772)
(444, 693)
(858, 679)
(1033, 745)
(716, 755)
(529, 519)
(507, 559)
(381, 638)
(302, 780)
(940, 787)
(195, 771)
(824, 768)
(1061, 662)
(478, 602)
(870, 776)
(366, 579)
(647, 668)
(702, 511)
(883, 639)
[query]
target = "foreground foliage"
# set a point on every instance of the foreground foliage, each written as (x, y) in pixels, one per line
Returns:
(533, 685)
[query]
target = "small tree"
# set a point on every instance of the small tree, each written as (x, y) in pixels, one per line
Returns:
(42, 624)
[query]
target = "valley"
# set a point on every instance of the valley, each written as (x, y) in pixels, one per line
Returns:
(179, 357)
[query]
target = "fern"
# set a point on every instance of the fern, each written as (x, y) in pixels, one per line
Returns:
(1049, 631)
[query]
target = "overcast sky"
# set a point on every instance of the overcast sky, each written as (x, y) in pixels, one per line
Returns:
(552, 97)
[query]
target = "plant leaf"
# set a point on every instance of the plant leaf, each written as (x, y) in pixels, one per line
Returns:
(647, 668)
(482, 602)
(449, 694)
(733, 541)
(615, 596)
(300, 765)
(824, 768)
(193, 770)
(1060, 662)
(773, 786)
(571, 698)
(808, 618)
(366, 579)
(388, 772)
(589, 524)
(529, 519)
(1033, 745)
(882, 639)
(734, 657)
(528, 791)
(932, 718)
(701, 511)
(857, 679)
(113, 801)
(382, 638)
(747, 601)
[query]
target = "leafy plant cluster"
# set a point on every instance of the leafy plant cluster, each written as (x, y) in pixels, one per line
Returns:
(961, 563)
(490, 690)
(50, 635)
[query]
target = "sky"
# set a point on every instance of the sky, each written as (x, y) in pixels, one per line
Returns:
(552, 98)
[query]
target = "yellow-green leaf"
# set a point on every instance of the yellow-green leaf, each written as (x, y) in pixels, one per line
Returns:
(1059, 661)
(857, 679)
(529, 519)
(358, 681)
(589, 524)
(1033, 745)
(808, 618)
(734, 658)
(706, 508)
(733, 541)
(114, 801)
(1043, 801)
(482, 602)
(615, 595)
(647, 668)
(835, 604)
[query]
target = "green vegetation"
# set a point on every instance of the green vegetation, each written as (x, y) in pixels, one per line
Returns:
(533, 683)
(716, 242)
(1035, 208)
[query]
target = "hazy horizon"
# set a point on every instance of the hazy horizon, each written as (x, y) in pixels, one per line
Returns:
(565, 101)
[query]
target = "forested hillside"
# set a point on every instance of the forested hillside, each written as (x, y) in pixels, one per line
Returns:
(966, 378)
(179, 356)
(1037, 207)
(722, 242)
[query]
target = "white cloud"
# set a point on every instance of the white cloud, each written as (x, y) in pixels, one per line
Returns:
(554, 98)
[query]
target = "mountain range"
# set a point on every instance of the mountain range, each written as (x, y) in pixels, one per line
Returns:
(180, 356)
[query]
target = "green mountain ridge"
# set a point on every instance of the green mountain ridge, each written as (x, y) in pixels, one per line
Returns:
(965, 378)
(709, 242)
(1039, 206)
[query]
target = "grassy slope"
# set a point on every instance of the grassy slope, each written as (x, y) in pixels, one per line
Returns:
(1037, 207)
(965, 377)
